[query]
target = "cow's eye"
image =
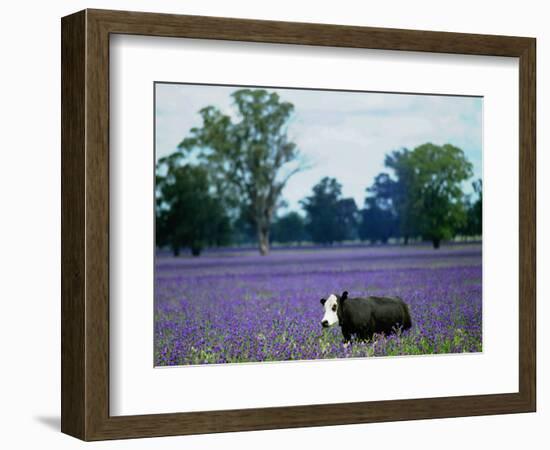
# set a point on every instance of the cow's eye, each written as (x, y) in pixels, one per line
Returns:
(334, 307)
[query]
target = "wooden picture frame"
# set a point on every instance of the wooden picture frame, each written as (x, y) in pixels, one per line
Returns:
(85, 224)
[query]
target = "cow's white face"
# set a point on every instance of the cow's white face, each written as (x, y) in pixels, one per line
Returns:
(331, 316)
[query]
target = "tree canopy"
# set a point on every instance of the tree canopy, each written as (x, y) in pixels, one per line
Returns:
(474, 212)
(187, 214)
(330, 218)
(289, 228)
(376, 224)
(379, 217)
(427, 192)
(400, 191)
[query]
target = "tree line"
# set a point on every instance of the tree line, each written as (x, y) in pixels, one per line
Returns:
(224, 186)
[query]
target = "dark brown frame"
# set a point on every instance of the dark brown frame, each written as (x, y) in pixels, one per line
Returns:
(85, 224)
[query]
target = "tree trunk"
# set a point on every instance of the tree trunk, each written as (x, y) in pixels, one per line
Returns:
(406, 239)
(436, 242)
(263, 240)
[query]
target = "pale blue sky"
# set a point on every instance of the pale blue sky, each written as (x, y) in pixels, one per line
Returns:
(340, 134)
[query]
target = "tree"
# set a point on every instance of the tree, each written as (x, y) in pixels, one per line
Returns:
(289, 228)
(477, 209)
(474, 221)
(400, 191)
(346, 215)
(250, 160)
(379, 217)
(187, 214)
(438, 172)
(329, 217)
(426, 192)
(377, 224)
(243, 230)
(383, 192)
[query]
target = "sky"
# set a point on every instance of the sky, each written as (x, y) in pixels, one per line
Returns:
(340, 134)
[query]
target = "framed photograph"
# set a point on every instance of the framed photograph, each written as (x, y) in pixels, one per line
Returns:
(272, 225)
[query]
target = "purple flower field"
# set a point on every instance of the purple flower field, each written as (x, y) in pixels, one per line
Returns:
(235, 306)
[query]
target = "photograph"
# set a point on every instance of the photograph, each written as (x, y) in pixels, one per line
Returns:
(300, 224)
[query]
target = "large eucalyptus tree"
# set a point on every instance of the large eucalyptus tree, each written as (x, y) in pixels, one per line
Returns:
(249, 156)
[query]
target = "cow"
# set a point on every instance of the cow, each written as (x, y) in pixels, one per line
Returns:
(364, 316)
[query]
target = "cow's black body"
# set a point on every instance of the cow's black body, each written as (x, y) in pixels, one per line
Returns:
(364, 316)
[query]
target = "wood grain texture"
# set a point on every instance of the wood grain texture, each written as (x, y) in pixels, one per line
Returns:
(73, 108)
(527, 224)
(97, 225)
(201, 27)
(85, 224)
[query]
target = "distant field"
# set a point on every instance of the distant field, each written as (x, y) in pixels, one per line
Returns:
(240, 307)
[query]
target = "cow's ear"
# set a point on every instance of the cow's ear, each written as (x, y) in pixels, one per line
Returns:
(344, 296)
(323, 300)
